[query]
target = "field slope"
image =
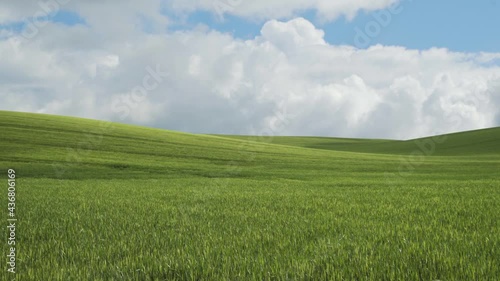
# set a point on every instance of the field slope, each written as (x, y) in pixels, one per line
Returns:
(107, 201)
(479, 142)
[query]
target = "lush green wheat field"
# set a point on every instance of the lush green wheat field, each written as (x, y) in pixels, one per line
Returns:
(102, 201)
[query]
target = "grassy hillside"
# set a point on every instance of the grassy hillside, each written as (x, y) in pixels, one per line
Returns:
(64, 147)
(106, 201)
(479, 142)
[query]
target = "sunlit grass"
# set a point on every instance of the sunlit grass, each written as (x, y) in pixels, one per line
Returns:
(145, 204)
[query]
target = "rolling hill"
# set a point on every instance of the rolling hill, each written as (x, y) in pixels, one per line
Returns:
(107, 201)
(478, 142)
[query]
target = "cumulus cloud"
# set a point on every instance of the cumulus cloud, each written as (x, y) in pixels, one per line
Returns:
(293, 34)
(111, 19)
(286, 81)
(261, 9)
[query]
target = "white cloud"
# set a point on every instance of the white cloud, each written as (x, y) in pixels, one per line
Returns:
(293, 34)
(261, 9)
(194, 65)
(288, 81)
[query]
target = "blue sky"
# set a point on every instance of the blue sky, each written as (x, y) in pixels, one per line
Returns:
(220, 84)
(466, 26)
(65, 17)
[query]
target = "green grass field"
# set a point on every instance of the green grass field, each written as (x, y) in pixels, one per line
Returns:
(106, 201)
(474, 143)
